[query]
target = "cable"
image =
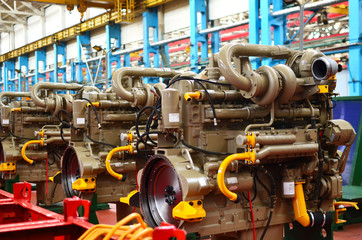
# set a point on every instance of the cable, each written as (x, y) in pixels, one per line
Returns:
(68, 125)
(95, 111)
(252, 214)
(204, 151)
(271, 193)
(103, 143)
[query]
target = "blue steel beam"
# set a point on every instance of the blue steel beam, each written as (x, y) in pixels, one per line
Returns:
(40, 56)
(9, 73)
(254, 28)
(150, 20)
(23, 67)
(355, 50)
(198, 6)
(59, 49)
(81, 40)
(215, 40)
(113, 41)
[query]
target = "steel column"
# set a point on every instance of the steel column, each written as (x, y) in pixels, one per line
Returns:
(126, 60)
(23, 67)
(59, 49)
(254, 27)
(215, 40)
(40, 56)
(9, 73)
(150, 20)
(355, 50)
(198, 6)
(113, 41)
(81, 40)
(266, 34)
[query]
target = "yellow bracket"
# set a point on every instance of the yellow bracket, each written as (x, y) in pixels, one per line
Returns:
(41, 133)
(8, 167)
(85, 184)
(190, 211)
(130, 136)
(250, 139)
(340, 207)
(16, 109)
(132, 199)
(323, 88)
(96, 104)
(189, 95)
(56, 178)
(41, 142)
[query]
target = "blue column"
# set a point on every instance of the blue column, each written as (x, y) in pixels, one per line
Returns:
(198, 6)
(355, 50)
(126, 60)
(23, 61)
(1, 75)
(215, 40)
(40, 56)
(150, 20)
(254, 27)
(113, 35)
(9, 73)
(59, 49)
(265, 27)
(81, 40)
(279, 24)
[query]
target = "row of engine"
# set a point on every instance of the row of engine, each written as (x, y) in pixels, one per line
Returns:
(194, 150)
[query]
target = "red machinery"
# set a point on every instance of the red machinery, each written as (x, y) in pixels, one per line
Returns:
(19, 219)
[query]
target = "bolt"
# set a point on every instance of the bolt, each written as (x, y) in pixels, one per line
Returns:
(191, 203)
(199, 202)
(93, 179)
(86, 180)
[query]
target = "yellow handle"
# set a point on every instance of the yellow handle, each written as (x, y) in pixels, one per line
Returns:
(300, 210)
(96, 104)
(249, 156)
(16, 109)
(109, 157)
(189, 95)
(41, 142)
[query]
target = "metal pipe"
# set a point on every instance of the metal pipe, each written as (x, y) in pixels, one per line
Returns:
(272, 112)
(220, 28)
(127, 51)
(310, 6)
(119, 74)
(286, 150)
(167, 41)
(50, 103)
(13, 95)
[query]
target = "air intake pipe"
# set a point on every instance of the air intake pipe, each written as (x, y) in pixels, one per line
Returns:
(267, 84)
(12, 95)
(54, 103)
(140, 94)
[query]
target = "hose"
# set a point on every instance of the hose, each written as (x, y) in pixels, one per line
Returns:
(41, 142)
(109, 157)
